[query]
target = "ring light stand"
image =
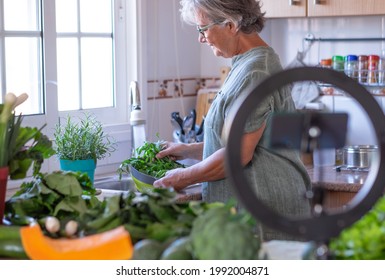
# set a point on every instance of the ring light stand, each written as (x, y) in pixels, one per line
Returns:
(317, 228)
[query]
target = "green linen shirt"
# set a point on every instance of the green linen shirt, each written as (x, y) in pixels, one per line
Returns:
(279, 177)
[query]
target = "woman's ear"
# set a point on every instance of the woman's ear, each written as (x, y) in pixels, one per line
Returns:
(231, 26)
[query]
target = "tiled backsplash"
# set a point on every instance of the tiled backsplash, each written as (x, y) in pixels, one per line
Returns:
(172, 95)
(174, 87)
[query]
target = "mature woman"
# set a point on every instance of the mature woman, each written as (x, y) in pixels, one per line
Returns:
(231, 29)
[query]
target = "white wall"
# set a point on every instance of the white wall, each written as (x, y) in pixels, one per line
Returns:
(171, 51)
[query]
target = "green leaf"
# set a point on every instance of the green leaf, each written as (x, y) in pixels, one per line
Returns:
(101, 222)
(64, 183)
(365, 239)
(144, 160)
(27, 146)
(162, 213)
(83, 139)
(160, 231)
(112, 205)
(136, 232)
(71, 204)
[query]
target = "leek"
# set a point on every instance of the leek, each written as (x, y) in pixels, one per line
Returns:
(6, 125)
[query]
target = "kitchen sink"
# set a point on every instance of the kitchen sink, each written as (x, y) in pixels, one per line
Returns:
(114, 183)
(112, 186)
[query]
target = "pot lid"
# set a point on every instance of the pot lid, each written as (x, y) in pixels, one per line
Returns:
(360, 147)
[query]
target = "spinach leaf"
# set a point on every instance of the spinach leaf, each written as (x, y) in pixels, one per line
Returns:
(56, 194)
(65, 185)
(144, 160)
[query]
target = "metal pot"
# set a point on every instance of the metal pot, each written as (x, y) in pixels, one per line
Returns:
(359, 156)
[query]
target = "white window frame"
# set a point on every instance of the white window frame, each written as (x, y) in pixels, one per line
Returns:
(116, 119)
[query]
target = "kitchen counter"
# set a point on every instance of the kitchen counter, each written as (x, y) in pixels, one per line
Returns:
(331, 179)
(341, 186)
(190, 193)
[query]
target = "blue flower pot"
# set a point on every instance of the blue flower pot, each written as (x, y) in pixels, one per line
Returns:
(83, 165)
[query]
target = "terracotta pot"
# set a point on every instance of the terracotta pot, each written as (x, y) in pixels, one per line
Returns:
(3, 190)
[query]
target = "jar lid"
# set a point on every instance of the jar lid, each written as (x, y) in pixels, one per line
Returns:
(361, 148)
(337, 58)
(351, 57)
(362, 57)
(326, 62)
(374, 57)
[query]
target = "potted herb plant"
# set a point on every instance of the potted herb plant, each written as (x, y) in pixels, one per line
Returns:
(79, 144)
(20, 147)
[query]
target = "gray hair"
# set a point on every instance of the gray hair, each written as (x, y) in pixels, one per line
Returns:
(245, 14)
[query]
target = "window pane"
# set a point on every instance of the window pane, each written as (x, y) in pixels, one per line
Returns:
(21, 15)
(97, 71)
(66, 15)
(68, 74)
(22, 68)
(95, 16)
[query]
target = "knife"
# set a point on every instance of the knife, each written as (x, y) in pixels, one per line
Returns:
(193, 113)
(176, 117)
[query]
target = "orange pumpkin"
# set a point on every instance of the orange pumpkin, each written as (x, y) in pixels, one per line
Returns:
(114, 244)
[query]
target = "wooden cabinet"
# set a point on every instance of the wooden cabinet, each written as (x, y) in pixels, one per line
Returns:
(337, 199)
(284, 8)
(322, 8)
(319, 8)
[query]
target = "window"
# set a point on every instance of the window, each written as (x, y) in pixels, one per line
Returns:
(69, 56)
(85, 54)
(21, 48)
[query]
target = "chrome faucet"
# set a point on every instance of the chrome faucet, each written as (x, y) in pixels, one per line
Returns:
(137, 119)
(135, 96)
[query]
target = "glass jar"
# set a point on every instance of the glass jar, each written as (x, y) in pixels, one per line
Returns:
(373, 69)
(381, 69)
(338, 63)
(326, 63)
(362, 69)
(351, 66)
(326, 88)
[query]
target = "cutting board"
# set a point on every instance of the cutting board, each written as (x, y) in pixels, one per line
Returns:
(204, 99)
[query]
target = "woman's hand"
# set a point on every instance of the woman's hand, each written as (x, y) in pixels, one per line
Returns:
(210, 169)
(175, 151)
(180, 151)
(180, 178)
(172, 179)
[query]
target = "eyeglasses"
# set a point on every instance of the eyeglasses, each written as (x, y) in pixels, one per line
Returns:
(203, 29)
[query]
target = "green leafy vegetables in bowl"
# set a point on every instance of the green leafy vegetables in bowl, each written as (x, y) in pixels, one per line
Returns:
(145, 161)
